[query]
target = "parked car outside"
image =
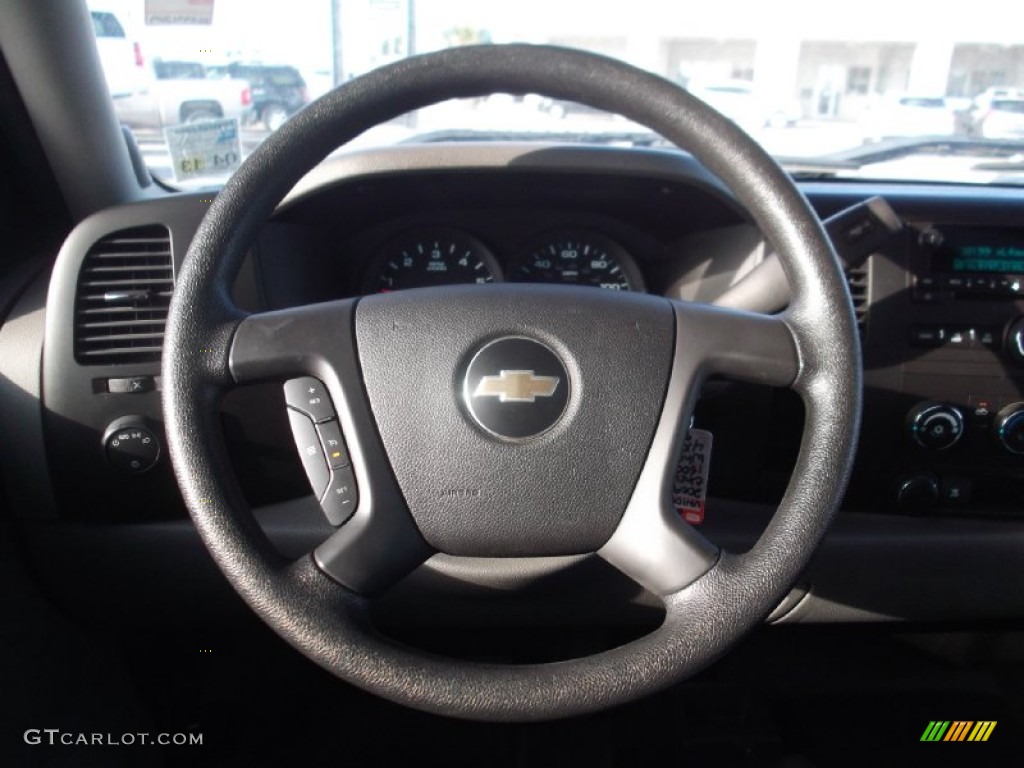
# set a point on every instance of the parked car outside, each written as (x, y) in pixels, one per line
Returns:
(174, 95)
(559, 108)
(122, 60)
(278, 92)
(909, 115)
(996, 92)
(165, 69)
(740, 102)
(161, 93)
(1003, 118)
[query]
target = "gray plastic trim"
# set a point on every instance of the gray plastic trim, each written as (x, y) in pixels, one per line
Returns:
(652, 544)
(765, 288)
(67, 385)
(347, 165)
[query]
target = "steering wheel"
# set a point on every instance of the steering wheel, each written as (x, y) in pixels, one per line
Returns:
(511, 420)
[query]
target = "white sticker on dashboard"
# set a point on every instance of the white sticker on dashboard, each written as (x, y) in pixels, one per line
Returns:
(690, 485)
(207, 148)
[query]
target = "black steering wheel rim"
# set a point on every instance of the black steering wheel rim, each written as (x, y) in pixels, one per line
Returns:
(329, 623)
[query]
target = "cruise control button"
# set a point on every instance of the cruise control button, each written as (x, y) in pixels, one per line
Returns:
(308, 443)
(334, 444)
(341, 498)
(309, 396)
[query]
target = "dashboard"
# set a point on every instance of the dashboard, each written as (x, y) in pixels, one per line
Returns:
(940, 468)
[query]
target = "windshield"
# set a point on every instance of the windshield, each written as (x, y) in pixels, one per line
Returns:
(886, 92)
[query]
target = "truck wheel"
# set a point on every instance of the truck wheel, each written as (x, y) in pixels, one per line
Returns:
(273, 116)
(197, 113)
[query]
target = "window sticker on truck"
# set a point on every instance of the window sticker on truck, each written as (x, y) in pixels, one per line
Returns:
(207, 148)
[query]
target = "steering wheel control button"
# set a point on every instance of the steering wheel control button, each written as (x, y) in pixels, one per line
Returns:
(132, 448)
(516, 388)
(935, 426)
(341, 498)
(333, 444)
(310, 451)
(309, 396)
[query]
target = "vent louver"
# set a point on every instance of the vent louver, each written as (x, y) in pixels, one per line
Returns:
(860, 292)
(124, 290)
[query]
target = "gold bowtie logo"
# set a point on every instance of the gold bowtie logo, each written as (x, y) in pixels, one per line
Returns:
(516, 386)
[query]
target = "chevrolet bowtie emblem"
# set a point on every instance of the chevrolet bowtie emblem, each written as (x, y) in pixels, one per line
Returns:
(516, 386)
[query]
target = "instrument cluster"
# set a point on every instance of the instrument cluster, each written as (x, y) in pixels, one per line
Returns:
(430, 256)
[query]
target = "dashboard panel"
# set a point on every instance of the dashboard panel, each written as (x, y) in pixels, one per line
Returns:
(627, 233)
(939, 355)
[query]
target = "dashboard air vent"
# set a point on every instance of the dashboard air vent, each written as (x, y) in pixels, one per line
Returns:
(123, 293)
(860, 290)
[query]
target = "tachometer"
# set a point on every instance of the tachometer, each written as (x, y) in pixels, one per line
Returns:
(578, 258)
(434, 256)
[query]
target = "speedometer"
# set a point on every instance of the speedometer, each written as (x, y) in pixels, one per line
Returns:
(577, 258)
(434, 256)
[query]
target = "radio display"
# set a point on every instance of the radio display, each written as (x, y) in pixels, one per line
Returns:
(985, 258)
(976, 249)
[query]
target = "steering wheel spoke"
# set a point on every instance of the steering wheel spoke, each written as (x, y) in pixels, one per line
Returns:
(378, 546)
(652, 544)
(738, 345)
(317, 339)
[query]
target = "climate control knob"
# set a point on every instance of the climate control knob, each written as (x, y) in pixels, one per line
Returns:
(935, 426)
(1009, 427)
(1015, 341)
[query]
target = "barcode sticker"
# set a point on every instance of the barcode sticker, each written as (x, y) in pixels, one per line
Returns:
(690, 487)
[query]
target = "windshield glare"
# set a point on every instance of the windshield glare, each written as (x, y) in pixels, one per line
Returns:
(886, 92)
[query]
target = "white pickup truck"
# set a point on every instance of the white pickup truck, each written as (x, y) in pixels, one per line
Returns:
(153, 95)
(180, 92)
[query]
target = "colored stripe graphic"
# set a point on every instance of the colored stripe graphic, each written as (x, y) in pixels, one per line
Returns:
(982, 730)
(958, 730)
(935, 730)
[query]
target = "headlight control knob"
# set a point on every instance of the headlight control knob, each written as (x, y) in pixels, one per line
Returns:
(917, 493)
(131, 446)
(935, 426)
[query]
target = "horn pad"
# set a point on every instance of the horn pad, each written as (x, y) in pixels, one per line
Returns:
(516, 418)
